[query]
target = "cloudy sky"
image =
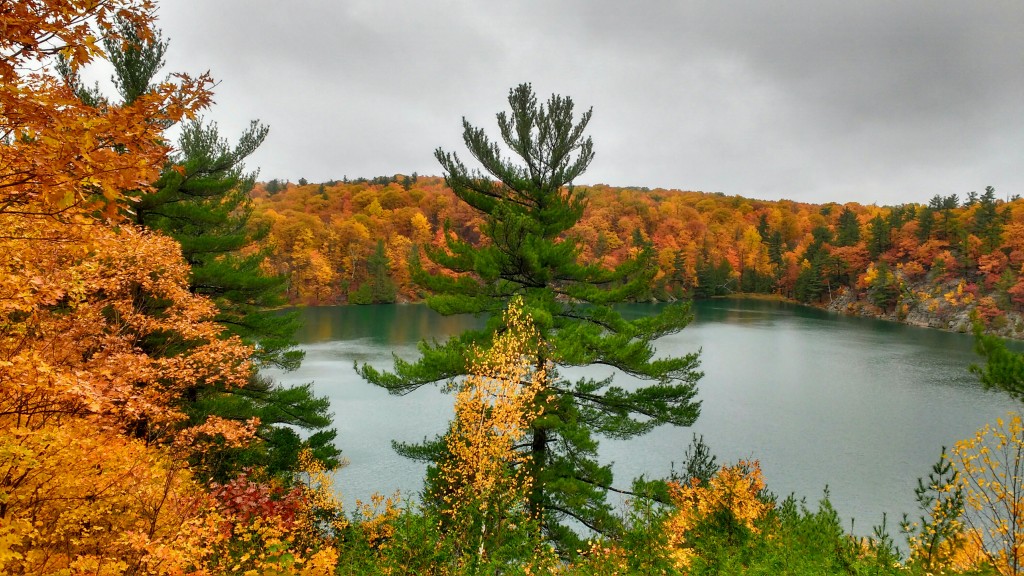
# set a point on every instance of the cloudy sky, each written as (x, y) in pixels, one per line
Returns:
(877, 101)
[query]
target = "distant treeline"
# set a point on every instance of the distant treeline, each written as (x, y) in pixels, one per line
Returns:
(350, 242)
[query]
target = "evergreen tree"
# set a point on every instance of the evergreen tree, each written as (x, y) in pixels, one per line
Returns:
(379, 288)
(879, 236)
(988, 222)
(848, 233)
(601, 245)
(809, 285)
(528, 206)
(820, 237)
(680, 283)
(762, 226)
(946, 205)
(925, 223)
(713, 278)
(202, 200)
(1004, 368)
(884, 289)
(900, 215)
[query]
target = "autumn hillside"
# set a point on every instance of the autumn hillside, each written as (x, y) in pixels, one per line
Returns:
(934, 263)
(141, 287)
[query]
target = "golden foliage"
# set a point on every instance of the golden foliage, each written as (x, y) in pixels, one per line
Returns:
(99, 322)
(734, 489)
(991, 473)
(484, 476)
(100, 339)
(59, 153)
(377, 518)
(75, 501)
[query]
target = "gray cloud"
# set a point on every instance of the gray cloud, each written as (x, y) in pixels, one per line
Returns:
(874, 101)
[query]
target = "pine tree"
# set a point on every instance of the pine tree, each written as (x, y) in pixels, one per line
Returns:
(879, 237)
(776, 248)
(529, 204)
(379, 267)
(1003, 369)
(848, 228)
(925, 223)
(202, 200)
(988, 221)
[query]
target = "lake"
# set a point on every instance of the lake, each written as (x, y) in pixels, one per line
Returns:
(862, 406)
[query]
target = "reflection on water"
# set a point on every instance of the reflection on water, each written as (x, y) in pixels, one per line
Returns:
(860, 405)
(382, 324)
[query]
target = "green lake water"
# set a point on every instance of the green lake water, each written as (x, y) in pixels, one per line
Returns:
(859, 405)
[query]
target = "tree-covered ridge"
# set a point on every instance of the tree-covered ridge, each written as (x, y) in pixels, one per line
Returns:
(931, 261)
(109, 332)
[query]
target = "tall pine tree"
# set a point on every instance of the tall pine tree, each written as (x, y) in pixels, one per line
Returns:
(529, 203)
(202, 200)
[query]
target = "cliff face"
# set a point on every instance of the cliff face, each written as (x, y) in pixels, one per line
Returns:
(948, 306)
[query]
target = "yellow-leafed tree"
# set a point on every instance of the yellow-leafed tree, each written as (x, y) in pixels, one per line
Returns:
(484, 479)
(733, 490)
(990, 469)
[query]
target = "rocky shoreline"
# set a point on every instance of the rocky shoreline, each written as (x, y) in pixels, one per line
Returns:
(942, 309)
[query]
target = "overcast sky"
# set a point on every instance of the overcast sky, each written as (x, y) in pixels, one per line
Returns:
(819, 100)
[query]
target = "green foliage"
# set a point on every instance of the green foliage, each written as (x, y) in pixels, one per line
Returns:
(988, 221)
(202, 201)
(808, 542)
(792, 539)
(415, 543)
(925, 223)
(379, 288)
(809, 286)
(713, 279)
(135, 60)
(280, 410)
(1003, 369)
(698, 462)
(751, 281)
(776, 247)
(848, 233)
(884, 290)
(879, 236)
(939, 530)
(528, 207)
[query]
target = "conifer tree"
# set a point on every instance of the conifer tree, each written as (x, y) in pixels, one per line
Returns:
(988, 221)
(848, 228)
(1003, 369)
(202, 200)
(379, 288)
(529, 203)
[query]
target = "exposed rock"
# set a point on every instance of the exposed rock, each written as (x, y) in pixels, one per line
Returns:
(945, 307)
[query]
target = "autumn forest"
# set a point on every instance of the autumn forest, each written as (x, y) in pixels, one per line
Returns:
(148, 281)
(350, 242)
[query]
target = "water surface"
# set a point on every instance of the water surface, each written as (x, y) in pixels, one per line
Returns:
(859, 405)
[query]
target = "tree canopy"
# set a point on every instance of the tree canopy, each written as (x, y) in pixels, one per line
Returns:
(529, 205)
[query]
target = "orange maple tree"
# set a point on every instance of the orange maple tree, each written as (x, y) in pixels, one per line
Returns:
(100, 338)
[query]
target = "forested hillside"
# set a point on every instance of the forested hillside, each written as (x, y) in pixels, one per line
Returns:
(351, 241)
(139, 287)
